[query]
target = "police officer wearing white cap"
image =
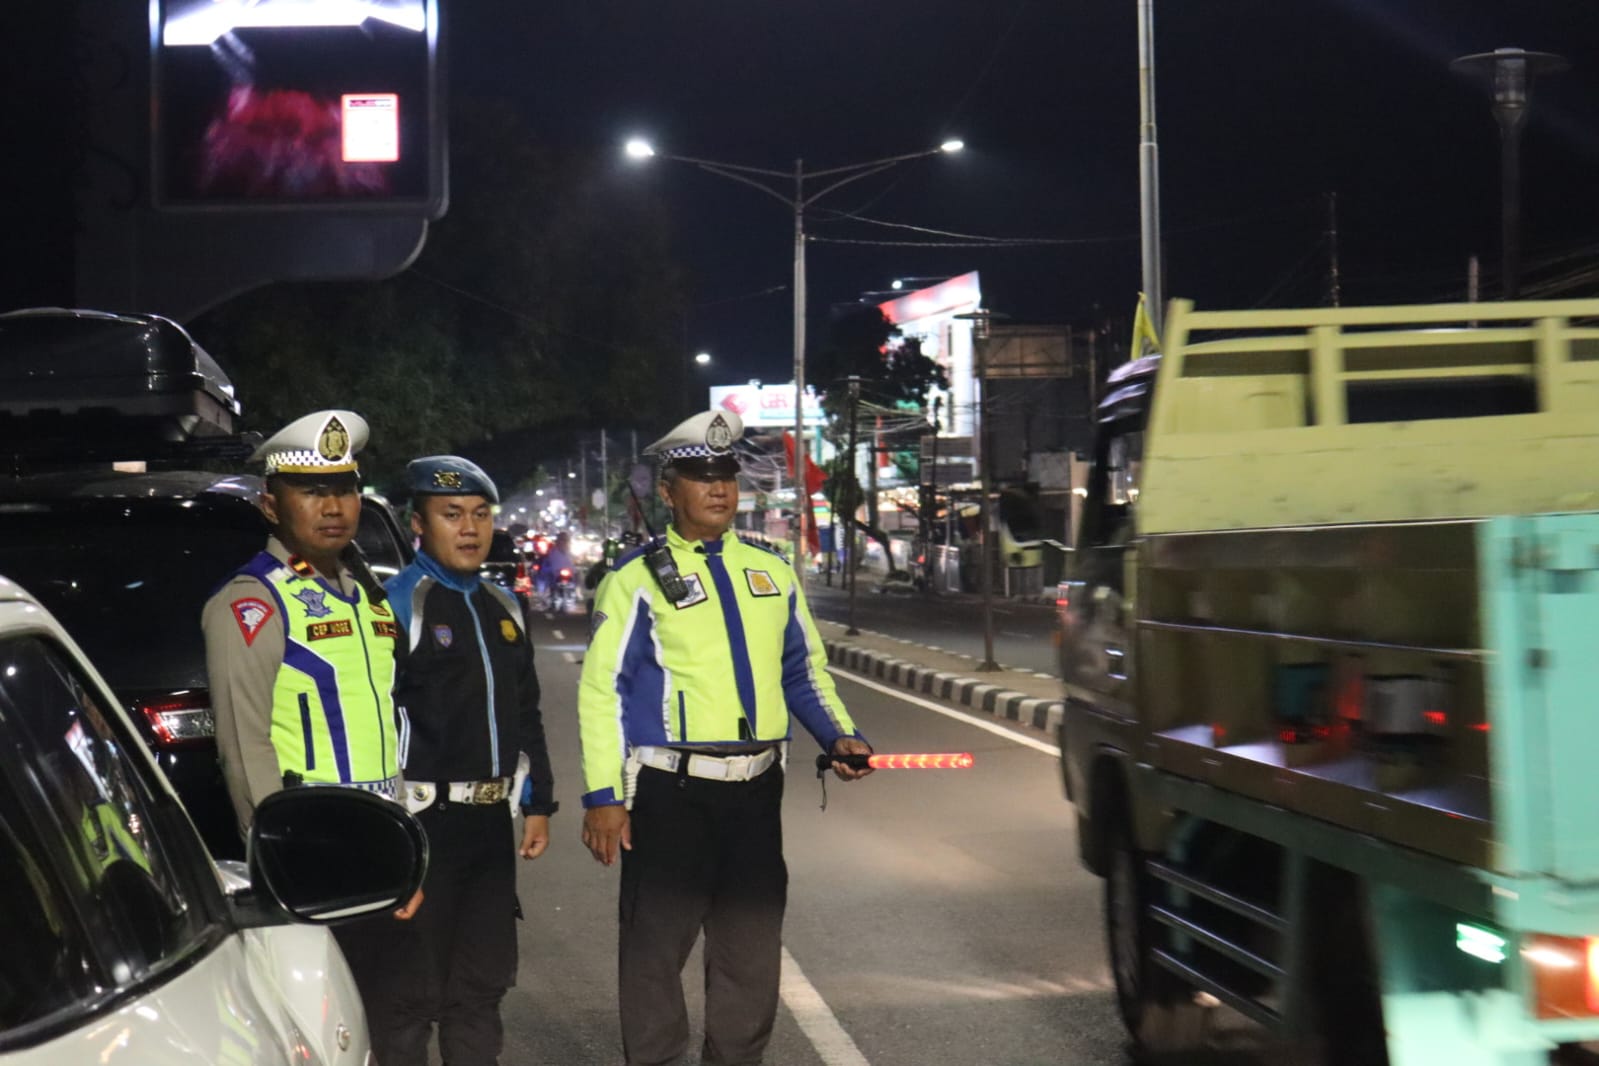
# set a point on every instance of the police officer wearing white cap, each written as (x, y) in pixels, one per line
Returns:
(702, 649)
(300, 645)
(468, 697)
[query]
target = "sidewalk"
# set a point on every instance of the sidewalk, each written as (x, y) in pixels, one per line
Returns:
(1020, 696)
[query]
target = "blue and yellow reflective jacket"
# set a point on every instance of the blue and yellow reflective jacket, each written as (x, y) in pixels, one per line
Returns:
(727, 665)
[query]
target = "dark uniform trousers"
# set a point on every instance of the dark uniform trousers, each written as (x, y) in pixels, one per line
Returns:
(705, 854)
(452, 963)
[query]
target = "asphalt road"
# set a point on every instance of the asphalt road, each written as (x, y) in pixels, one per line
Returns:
(1024, 633)
(934, 917)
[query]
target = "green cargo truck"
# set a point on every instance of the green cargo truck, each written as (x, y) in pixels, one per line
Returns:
(1330, 641)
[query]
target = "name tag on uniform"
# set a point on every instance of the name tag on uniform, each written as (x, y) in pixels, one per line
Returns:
(324, 630)
(696, 592)
(385, 629)
(761, 583)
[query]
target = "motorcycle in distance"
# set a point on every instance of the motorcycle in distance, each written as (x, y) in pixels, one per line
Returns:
(563, 593)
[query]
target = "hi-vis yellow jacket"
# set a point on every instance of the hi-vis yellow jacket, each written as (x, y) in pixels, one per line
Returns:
(727, 665)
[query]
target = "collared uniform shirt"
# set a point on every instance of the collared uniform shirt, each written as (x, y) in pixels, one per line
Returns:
(245, 647)
(728, 665)
(468, 694)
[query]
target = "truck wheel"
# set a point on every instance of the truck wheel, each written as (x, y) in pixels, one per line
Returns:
(1156, 1006)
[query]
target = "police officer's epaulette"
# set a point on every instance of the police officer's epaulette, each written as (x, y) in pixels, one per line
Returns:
(761, 544)
(301, 567)
(638, 552)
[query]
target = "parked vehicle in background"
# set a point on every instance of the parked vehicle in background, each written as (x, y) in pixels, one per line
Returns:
(121, 932)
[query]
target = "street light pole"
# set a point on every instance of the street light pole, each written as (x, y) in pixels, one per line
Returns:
(1510, 72)
(802, 483)
(761, 178)
(1149, 168)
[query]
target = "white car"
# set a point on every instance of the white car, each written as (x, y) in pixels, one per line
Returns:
(121, 941)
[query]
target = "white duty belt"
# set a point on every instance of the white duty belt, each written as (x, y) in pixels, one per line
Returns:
(709, 767)
(420, 795)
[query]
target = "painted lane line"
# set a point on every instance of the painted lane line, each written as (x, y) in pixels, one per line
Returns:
(558, 634)
(816, 1020)
(949, 712)
(569, 657)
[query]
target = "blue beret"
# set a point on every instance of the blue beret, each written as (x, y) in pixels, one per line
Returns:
(449, 475)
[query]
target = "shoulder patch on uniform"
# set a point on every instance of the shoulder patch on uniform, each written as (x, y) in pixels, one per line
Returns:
(761, 583)
(595, 622)
(696, 592)
(251, 614)
(443, 635)
(764, 547)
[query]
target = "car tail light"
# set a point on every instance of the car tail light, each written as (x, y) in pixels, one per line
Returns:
(1565, 975)
(566, 575)
(180, 720)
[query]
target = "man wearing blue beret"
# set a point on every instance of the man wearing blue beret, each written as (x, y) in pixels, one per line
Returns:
(468, 700)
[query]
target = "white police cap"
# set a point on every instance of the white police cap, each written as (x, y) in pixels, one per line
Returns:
(707, 435)
(323, 442)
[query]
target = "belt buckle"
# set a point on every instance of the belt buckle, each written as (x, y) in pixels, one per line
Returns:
(486, 792)
(738, 767)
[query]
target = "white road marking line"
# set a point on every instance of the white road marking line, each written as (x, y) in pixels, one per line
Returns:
(558, 634)
(569, 657)
(833, 1045)
(950, 712)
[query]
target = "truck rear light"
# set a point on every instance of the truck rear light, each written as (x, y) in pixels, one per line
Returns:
(180, 720)
(1565, 975)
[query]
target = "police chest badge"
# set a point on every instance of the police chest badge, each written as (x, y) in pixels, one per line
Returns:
(761, 583)
(443, 636)
(313, 600)
(696, 592)
(508, 630)
(718, 435)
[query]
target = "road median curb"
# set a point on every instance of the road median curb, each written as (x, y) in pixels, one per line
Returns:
(973, 693)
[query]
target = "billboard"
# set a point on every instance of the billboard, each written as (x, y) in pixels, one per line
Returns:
(768, 406)
(929, 315)
(296, 103)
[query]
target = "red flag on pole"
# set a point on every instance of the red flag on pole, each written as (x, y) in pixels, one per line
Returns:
(813, 484)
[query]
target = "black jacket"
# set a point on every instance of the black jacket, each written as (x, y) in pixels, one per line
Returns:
(466, 689)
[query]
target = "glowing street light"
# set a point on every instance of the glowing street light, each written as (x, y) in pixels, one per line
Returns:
(763, 178)
(703, 358)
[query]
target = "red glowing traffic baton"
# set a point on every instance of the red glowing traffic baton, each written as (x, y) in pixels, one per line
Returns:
(942, 761)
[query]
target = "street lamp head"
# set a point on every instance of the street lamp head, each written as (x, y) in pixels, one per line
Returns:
(954, 144)
(638, 148)
(897, 284)
(703, 358)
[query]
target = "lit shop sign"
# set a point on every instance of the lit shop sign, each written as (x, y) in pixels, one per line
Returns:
(296, 103)
(765, 405)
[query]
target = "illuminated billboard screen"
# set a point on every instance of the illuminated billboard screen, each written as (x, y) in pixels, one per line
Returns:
(277, 103)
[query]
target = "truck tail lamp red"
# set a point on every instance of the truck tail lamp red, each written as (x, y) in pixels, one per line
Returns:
(1565, 975)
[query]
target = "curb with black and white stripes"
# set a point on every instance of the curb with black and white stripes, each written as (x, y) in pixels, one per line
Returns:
(1032, 711)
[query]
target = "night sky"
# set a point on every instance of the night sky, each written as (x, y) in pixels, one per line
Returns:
(1265, 106)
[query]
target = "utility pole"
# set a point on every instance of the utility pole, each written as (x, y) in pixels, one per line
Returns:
(854, 484)
(1335, 294)
(605, 487)
(981, 321)
(582, 476)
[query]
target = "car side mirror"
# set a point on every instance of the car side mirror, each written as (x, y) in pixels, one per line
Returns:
(325, 854)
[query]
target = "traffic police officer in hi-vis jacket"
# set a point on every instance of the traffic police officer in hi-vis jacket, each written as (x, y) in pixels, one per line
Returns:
(300, 646)
(468, 699)
(702, 647)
